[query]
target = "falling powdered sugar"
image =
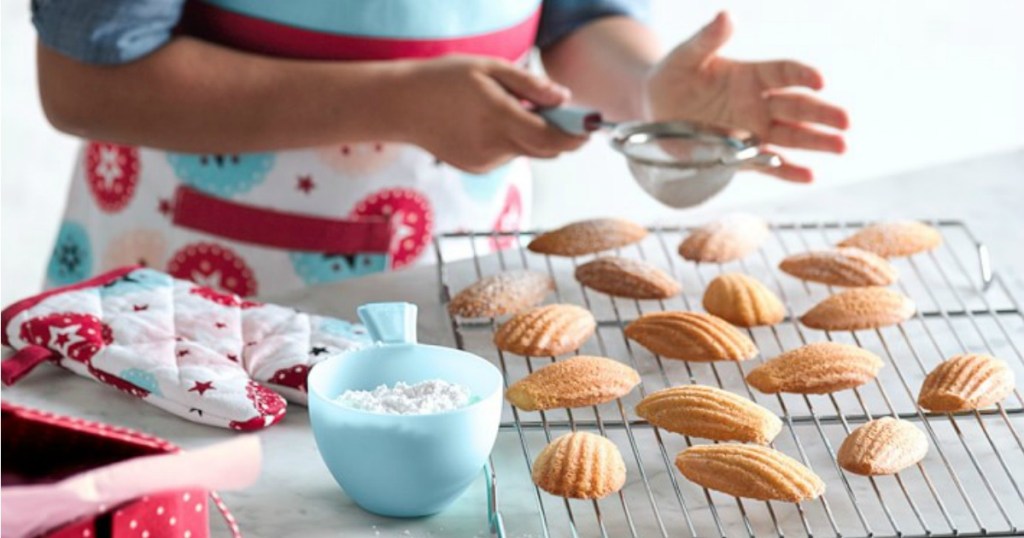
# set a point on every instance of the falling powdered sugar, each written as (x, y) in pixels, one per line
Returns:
(433, 396)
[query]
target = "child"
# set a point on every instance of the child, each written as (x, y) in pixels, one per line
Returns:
(260, 146)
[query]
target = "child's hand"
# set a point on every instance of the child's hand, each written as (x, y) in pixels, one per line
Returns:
(693, 83)
(469, 112)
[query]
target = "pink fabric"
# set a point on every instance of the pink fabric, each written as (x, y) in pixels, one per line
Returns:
(31, 510)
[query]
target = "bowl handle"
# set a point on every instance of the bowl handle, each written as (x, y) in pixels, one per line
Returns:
(389, 323)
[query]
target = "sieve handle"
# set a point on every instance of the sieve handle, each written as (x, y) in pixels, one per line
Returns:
(763, 159)
(573, 119)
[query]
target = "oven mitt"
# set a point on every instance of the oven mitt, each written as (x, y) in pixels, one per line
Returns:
(204, 355)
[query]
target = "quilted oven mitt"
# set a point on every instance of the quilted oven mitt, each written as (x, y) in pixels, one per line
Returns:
(206, 356)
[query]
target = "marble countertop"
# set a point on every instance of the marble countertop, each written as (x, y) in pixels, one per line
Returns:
(296, 496)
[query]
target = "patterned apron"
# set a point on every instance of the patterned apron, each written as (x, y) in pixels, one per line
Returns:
(265, 223)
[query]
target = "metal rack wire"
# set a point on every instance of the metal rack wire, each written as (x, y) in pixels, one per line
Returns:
(968, 485)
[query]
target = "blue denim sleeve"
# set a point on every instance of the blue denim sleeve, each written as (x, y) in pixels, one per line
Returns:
(559, 18)
(105, 31)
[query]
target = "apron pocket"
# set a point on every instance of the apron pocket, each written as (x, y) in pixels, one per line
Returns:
(202, 212)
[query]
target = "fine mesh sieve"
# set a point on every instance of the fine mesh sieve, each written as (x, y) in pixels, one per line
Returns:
(680, 164)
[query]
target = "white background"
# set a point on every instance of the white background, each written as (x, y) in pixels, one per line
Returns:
(925, 83)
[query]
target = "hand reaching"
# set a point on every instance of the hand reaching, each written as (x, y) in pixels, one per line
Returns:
(693, 83)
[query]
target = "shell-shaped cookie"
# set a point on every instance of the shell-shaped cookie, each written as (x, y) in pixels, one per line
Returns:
(750, 471)
(580, 465)
(587, 237)
(859, 308)
(575, 382)
(818, 368)
(966, 382)
(841, 266)
(500, 294)
(743, 300)
(730, 238)
(624, 277)
(546, 330)
(883, 446)
(895, 239)
(709, 413)
(691, 336)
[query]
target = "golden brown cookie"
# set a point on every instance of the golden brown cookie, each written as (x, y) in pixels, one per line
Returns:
(842, 266)
(750, 471)
(576, 382)
(709, 413)
(546, 330)
(966, 382)
(883, 446)
(587, 237)
(580, 465)
(727, 239)
(818, 368)
(691, 336)
(624, 277)
(860, 308)
(743, 300)
(895, 239)
(500, 294)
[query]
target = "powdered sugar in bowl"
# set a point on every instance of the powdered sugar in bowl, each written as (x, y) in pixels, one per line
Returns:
(389, 456)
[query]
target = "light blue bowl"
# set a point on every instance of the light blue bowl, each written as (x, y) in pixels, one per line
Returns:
(403, 465)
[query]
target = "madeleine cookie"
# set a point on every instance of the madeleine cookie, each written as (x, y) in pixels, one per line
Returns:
(860, 308)
(750, 471)
(546, 330)
(818, 368)
(843, 266)
(580, 465)
(742, 300)
(577, 382)
(500, 294)
(883, 446)
(587, 237)
(966, 382)
(690, 336)
(709, 413)
(895, 239)
(727, 239)
(624, 277)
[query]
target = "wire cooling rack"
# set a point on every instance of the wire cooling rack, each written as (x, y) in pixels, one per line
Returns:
(969, 484)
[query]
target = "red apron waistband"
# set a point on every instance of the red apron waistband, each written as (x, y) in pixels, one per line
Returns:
(254, 34)
(202, 212)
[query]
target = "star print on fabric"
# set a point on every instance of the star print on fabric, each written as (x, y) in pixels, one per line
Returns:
(202, 386)
(317, 351)
(69, 256)
(220, 324)
(349, 260)
(140, 307)
(120, 280)
(232, 357)
(183, 352)
(61, 338)
(108, 169)
(165, 207)
(305, 183)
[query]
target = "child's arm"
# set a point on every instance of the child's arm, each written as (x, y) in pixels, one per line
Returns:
(194, 96)
(614, 64)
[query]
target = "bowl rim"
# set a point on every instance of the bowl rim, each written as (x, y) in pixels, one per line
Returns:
(376, 346)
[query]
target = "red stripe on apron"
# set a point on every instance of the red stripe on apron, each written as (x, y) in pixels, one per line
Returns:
(262, 36)
(279, 229)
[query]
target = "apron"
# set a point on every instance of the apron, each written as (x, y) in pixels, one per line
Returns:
(273, 222)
